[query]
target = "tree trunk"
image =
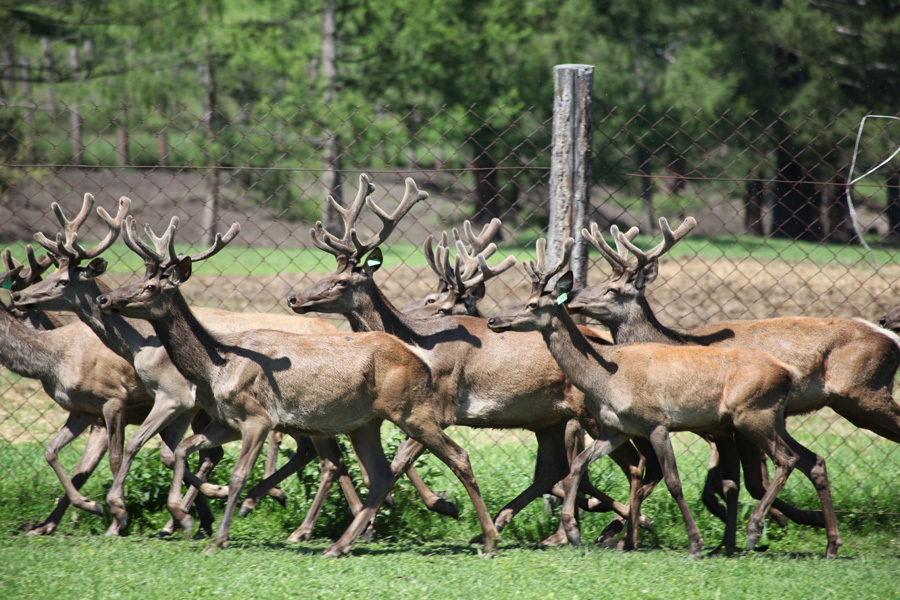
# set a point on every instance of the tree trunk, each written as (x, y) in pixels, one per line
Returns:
(840, 228)
(75, 113)
(893, 208)
(796, 213)
(488, 202)
(331, 159)
(210, 123)
(643, 161)
(753, 206)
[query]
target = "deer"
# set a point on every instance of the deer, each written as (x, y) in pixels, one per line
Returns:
(507, 381)
(462, 285)
(891, 320)
(98, 389)
(74, 286)
(650, 390)
(310, 385)
(846, 364)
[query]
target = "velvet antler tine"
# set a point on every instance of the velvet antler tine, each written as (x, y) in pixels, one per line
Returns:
(411, 195)
(219, 242)
(618, 262)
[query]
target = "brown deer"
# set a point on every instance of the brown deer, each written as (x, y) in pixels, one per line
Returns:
(97, 388)
(650, 390)
(461, 286)
(506, 381)
(845, 364)
(308, 385)
(74, 287)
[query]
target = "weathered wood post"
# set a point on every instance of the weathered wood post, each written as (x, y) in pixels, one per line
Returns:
(570, 169)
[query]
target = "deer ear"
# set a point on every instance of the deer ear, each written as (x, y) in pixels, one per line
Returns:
(564, 285)
(182, 271)
(647, 275)
(372, 262)
(96, 267)
(476, 292)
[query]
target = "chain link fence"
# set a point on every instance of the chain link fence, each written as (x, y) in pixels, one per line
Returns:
(774, 236)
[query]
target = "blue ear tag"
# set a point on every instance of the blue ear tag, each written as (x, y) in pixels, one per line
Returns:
(7, 283)
(562, 298)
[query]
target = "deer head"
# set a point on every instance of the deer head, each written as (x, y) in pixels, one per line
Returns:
(356, 260)
(166, 270)
(58, 291)
(632, 270)
(545, 301)
(461, 285)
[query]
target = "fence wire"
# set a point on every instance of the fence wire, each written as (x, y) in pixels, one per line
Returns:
(774, 235)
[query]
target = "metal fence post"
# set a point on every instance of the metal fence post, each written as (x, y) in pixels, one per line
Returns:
(570, 167)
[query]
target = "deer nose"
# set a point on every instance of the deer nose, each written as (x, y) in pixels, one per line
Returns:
(15, 296)
(881, 321)
(102, 301)
(491, 322)
(292, 300)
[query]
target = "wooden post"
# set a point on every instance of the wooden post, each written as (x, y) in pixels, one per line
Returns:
(75, 112)
(570, 169)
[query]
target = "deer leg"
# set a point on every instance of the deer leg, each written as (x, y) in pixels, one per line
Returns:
(366, 442)
(305, 453)
(432, 501)
(74, 426)
(253, 436)
(428, 433)
(659, 437)
(754, 481)
(604, 443)
(331, 464)
(93, 453)
(163, 413)
(212, 435)
(813, 466)
(271, 466)
(729, 473)
(713, 486)
(209, 458)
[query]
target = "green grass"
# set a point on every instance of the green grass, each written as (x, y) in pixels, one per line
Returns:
(98, 567)
(418, 554)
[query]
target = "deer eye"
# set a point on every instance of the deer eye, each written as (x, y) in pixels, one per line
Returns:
(531, 306)
(149, 287)
(341, 283)
(429, 301)
(62, 282)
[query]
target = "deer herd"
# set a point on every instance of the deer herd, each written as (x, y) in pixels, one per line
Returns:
(142, 355)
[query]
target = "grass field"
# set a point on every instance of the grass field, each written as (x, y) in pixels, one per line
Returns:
(419, 555)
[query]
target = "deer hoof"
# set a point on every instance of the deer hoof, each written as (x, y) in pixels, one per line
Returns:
(279, 496)
(557, 539)
(334, 551)
(301, 535)
(246, 508)
(610, 532)
(445, 508)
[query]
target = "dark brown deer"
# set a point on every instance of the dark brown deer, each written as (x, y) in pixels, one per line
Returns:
(845, 364)
(308, 385)
(650, 390)
(507, 381)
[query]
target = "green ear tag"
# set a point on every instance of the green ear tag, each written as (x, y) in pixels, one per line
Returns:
(562, 298)
(7, 283)
(373, 262)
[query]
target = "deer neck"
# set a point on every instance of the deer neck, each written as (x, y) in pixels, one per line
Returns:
(641, 325)
(374, 312)
(123, 335)
(193, 350)
(26, 351)
(581, 362)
